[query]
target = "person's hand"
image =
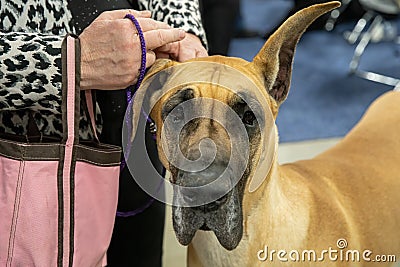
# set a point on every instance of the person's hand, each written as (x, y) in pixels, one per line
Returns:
(190, 47)
(111, 51)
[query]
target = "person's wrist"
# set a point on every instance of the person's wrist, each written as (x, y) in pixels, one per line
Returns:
(84, 82)
(85, 74)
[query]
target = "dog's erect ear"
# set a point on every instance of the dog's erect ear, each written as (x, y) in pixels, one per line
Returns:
(275, 58)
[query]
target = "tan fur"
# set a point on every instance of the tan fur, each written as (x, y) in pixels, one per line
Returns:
(351, 191)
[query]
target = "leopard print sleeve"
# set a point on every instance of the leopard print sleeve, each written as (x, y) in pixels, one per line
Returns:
(30, 72)
(31, 35)
(31, 79)
(184, 14)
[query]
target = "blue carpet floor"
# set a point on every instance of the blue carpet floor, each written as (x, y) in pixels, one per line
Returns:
(324, 101)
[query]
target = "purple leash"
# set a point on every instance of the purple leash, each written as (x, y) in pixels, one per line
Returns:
(129, 96)
(128, 120)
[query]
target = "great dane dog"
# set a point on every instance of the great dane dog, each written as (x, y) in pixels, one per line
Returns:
(341, 208)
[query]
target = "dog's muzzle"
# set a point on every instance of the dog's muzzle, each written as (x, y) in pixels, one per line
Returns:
(221, 213)
(209, 186)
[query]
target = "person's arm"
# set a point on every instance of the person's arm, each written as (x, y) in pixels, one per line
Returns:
(30, 71)
(30, 63)
(111, 48)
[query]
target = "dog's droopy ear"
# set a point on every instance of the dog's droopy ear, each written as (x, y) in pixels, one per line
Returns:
(275, 58)
(149, 90)
(159, 65)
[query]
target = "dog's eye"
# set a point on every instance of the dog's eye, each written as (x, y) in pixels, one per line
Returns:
(178, 114)
(249, 118)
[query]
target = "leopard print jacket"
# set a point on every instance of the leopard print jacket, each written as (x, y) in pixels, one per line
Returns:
(31, 34)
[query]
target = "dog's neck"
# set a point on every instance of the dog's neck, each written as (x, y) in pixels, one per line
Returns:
(283, 197)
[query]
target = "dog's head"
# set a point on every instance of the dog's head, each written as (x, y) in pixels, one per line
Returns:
(207, 99)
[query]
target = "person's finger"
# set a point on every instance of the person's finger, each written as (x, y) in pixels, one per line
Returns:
(121, 13)
(157, 38)
(186, 55)
(139, 13)
(150, 58)
(171, 49)
(202, 53)
(162, 55)
(167, 47)
(148, 24)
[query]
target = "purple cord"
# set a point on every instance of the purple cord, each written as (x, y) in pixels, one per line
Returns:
(142, 208)
(128, 121)
(129, 97)
(125, 214)
(142, 69)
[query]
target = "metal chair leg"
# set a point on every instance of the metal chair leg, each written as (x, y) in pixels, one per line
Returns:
(397, 87)
(379, 78)
(353, 36)
(366, 38)
(359, 50)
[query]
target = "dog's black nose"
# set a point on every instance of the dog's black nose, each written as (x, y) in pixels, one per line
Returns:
(209, 175)
(207, 186)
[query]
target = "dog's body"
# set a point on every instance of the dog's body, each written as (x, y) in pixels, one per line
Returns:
(350, 193)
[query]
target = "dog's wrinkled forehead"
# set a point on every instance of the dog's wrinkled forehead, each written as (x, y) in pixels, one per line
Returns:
(204, 74)
(197, 75)
(201, 74)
